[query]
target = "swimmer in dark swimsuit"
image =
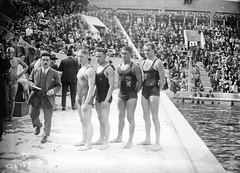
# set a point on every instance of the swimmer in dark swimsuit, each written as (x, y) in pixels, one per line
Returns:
(151, 78)
(154, 74)
(104, 88)
(85, 87)
(130, 78)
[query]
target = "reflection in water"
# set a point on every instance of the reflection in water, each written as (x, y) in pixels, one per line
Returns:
(218, 125)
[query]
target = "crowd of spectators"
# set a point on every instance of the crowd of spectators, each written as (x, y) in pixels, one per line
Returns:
(56, 25)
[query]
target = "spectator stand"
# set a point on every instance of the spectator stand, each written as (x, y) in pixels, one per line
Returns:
(57, 26)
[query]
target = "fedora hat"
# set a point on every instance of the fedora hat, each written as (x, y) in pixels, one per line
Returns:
(53, 57)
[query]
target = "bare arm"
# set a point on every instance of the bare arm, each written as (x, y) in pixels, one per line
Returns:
(161, 72)
(111, 78)
(31, 76)
(138, 73)
(91, 82)
(25, 67)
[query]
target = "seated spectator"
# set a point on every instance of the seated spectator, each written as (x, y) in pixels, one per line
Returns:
(175, 86)
(165, 85)
(198, 93)
(175, 70)
(224, 84)
(210, 94)
(234, 88)
(184, 84)
(198, 83)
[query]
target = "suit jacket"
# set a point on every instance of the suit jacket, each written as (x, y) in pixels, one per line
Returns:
(4, 65)
(54, 66)
(69, 68)
(53, 82)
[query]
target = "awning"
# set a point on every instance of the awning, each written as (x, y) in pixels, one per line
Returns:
(95, 25)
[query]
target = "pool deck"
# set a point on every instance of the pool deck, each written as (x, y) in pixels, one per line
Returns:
(182, 150)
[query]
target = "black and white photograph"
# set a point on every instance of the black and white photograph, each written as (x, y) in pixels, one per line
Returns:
(119, 86)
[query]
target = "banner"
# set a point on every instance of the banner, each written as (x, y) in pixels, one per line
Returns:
(129, 41)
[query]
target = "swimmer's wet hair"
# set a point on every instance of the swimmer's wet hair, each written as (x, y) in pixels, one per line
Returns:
(101, 50)
(150, 44)
(84, 51)
(127, 48)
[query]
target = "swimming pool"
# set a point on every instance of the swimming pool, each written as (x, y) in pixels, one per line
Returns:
(218, 125)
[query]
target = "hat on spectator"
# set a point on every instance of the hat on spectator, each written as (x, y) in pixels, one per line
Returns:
(53, 57)
(70, 52)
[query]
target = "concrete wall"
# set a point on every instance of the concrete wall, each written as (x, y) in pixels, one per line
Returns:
(197, 5)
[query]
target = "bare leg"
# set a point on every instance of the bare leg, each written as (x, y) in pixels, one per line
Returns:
(105, 125)
(89, 128)
(154, 106)
(14, 89)
(121, 123)
(131, 106)
(146, 117)
(84, 127)
(101, 138)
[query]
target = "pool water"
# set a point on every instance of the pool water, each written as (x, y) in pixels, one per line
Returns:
(218, 125)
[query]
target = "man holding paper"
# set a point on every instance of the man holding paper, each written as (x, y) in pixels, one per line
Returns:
(45, 83)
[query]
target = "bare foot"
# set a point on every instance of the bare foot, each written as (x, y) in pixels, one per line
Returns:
(104, 147)
(99, 142)
(128, 145)
(116, 141)
(82, 143)
(85, 148)
(156, 147)
(146, 142)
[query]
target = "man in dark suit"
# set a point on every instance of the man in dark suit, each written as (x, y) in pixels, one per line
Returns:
(4, 65)
(53, 62)
(45, 83)
(69, 68)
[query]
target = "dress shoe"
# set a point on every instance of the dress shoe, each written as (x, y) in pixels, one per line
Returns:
(0, 138)
(44, 139)
(37, 131)
(63, 108)
(74, 107)
(8, 118)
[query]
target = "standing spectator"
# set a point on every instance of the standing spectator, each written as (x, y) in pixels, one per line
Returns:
(53, 62)
(48, 80)
(69, 68)
(4, 65)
